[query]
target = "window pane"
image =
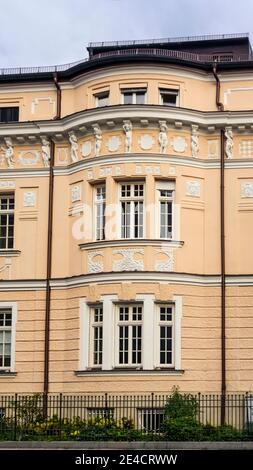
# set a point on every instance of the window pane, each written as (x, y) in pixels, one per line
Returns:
(140, 97)
(128, 98)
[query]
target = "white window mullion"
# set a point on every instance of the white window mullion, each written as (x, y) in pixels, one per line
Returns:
(177, 331)
(108, 331)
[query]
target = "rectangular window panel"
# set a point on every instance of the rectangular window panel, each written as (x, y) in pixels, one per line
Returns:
(166, 334)
(134, 96)
(130, 335)
(169, 97)
(102, 99)
(97, 335)
(100, 204)
(9, 114)
(132, 210)
(5, 338)
(6, 221)
(165, 198)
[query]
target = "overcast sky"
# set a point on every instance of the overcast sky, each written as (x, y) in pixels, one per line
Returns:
(47, 32)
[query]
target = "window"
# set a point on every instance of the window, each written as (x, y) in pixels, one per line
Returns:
(100, 212)
(132, 200)
(134, 96)
(169, 97)
(96, 336)
(165, 206)
(6, 221)
(165, 327)
(151, 419)
(129, 333)
(102, 99)
(5, 338)
(9, 114)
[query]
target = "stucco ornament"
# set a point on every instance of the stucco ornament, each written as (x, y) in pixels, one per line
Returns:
(95, 266)
(29, 199)
(247, 190)
(45, 149)
(195, 141)
(179, 144)
(75, 193)
(8, 152)
(167, 265)
(113, 143)
(146, 142)
(229, 142)
(127, 127)
(98, 139)
(163, 138)
(193, 188)
(128, 262)
(86, 148)
(74, 147)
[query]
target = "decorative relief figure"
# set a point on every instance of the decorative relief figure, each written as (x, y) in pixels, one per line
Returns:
(193, 188)
(29, 199)
(113, 143)
(95, 266)
(246, 189)
(179, 144)
(167, 265)
(229, 142)
(45, 149)
(98, 139)
(195, 141)
(8, 152)
(127, 127)
(163, 138)
(74, 147)
(146, 142)
(75, 193)
(6, 267)
(128, 262)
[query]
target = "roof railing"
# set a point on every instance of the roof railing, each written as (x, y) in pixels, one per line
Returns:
(155, 52)
(208, 37)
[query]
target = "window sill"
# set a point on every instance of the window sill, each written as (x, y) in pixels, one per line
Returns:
(11, 252)
(7, 373)
(128, 371)
(131, 241)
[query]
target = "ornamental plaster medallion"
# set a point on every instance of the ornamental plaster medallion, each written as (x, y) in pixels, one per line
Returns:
(167, 265)
(246, 189)
(213, 149)
(62, 155)
(75, 193)
(128, 261)
(86, 148)
(29, 157)
(113, 143)
(95, 266)
(193, 188)
(146, 142)
(172, 170)
(179, 144)
(29, 199)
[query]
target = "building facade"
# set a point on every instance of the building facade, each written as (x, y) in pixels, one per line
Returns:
(126, 217)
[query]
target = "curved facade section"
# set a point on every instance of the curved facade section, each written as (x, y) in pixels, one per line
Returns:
(110, 258)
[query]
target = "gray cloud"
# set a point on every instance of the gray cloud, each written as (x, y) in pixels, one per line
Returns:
(45, 32)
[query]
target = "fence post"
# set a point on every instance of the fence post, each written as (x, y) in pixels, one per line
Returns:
(153, 420)
(223, 409)
(106, 409)
(60, 414)
(15, 416)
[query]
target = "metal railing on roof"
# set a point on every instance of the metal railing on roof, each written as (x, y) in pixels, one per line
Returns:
(155, 52)
(208, 37)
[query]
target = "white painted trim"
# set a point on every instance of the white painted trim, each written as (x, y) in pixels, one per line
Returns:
(14, 311)
(108, 331)
(178, 300)
(148, 323)
(84, 334)
(234, 90)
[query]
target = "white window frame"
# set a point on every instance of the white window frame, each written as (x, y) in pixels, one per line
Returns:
(133, 91)
(168, 91)
(92, 325)
(160, 323)
(13, 307)
(8, 212)
(130, 324)
(98, 202)
(104, 95)
(132, 199)
(165, 186)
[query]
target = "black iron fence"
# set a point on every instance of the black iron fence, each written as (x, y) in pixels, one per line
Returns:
(71, 416)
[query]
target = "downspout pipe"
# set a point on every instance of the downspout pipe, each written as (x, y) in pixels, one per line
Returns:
(49, 273)
(220, 107)
(58, 101)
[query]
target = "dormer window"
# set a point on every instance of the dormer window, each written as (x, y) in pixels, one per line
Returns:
(134, 96)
